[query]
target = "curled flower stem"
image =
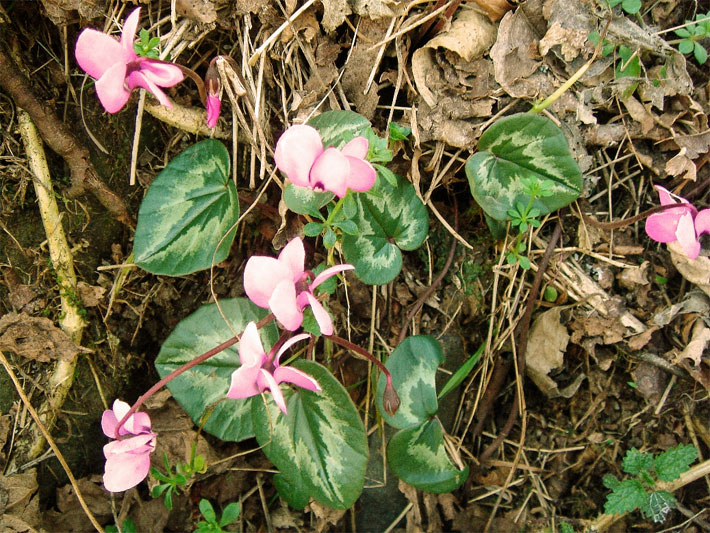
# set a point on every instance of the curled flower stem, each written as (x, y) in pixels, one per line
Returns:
(187, 366)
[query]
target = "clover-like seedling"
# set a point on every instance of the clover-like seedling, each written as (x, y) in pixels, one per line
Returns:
(692, 34)
(211, 524)
(631, 7)
(146, 46)
(173, 482)
(640, 492)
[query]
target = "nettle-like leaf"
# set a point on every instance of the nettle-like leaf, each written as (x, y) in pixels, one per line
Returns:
(635, 461)
(319, 447)
(202, 386)
(417, 456)
(416, 453)
(389, 219)
(336, 128)
(627, 496)
(522, 146)
(670, 464)
(413, 367)
(187, 213)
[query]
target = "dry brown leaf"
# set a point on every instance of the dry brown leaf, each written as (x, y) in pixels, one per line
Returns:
(22, 501)
(694, 270)
(36, 338)
(650, 381)
(61, 11)
(698, 343)
(639, 113)
(572, 41)
(495, 9)
(325, 515)
(91, 295)
(642, 339)
(681, 165)
(70, 516)
(203, 11)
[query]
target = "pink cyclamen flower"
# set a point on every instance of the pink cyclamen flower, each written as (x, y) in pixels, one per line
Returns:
(683, 223)
(214, 90)
(283, 286)
(261, 371)
(300, 155)
(118, 69)
(127, 458)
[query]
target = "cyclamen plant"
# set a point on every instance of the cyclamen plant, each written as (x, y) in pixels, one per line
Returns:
(337, 180)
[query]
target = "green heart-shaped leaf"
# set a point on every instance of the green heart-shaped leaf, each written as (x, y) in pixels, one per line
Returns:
(389, 219)
(320, 446)
(201, 386)
(187, 213)
(417, 456)
(413, 367)
(522, 146)
(305, 201)
(338, 127)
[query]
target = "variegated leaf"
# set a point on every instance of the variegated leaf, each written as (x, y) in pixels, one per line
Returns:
(305, 201)
(320, 445)
(338, 127)
(187, 213)
(417, 456)
(522, 146)
(389, 219)
(413, 367)
(203, 385)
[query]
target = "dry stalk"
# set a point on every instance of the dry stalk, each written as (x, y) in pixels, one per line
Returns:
(63, 264)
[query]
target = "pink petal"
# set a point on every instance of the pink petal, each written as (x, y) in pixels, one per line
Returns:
(128, 35)
(123, 472)
(244, 382)
(267, 381)
(109, 423)
(357, 148)
(702, 222)
(96, 52)
(286, 345)
(330, 172)
(667, 198)
(161, 73)
(293, 256)
(134, 445)
(251, 351)
(329, 273)
(321, 315)
(139, 78)
(138, 423)
(287, 374)
(285, 307)
(686, 236)
(214, 105)
(296, 150)
(261, 276)
(362, 175)
(661, 227)
(110, 88)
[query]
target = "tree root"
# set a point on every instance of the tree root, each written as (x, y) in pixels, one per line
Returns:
(71, 321)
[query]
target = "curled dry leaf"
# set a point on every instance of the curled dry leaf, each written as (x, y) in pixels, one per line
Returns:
(36, 338)
(681, 165)
(21, 502)
(495, 9)
(699, 341)
(694, 270)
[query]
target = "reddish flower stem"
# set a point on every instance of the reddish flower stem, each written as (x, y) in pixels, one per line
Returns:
(187, 366)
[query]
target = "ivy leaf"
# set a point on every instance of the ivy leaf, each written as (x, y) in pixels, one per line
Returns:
(627, 496)
(187, 213)
(635, 461)
(336, 128)
(305, 201)
(672, 463)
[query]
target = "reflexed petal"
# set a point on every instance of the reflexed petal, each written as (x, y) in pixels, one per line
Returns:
(330, 172)
(667, 198)
(214, 105)
(133, 445)
(321, 315)
(702, 222)
(110, 88)
(261, 275)
(362, 175)
(357, 148)
(686, 236)
(267, 381)
(661, 227)
(286, 345)
(138, 78)
(138, 423)
(244, 382)
(109, 423)
(293, 256)
(125, 471)
(128, 35)
(296, 151)
(251, 351)
(161, 73)
(285, 307)
(329, 273)
(96, 52)
(287, 374)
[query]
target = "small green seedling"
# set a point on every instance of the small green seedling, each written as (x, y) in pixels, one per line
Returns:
(173, 482)
(639, 492)
(628, 64)
(128, 526)
(692, 34)
(147, 46)
(631, 7)
(210, 524)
